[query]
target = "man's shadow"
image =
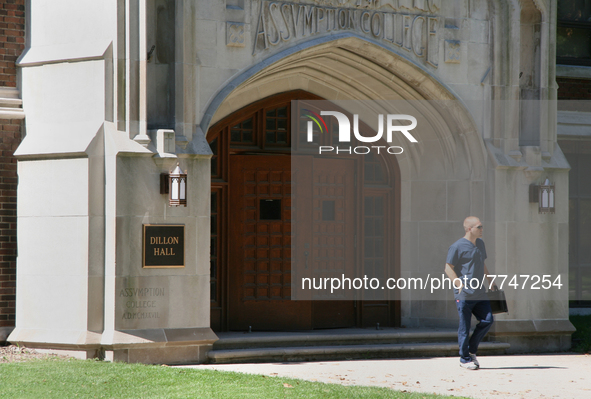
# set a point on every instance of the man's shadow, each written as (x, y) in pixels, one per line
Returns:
(522, 368)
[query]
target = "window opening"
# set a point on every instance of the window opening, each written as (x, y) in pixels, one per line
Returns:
(270, 209)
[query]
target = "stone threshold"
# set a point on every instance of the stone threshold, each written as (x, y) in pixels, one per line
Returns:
(347, 352)
(339, 344)
(343, 336)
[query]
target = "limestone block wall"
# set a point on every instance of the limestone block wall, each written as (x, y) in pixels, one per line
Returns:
(96, 87)
(230, 38)
(183, 297)
(88, 179)
(574, 136)
(58, 252)
(529, 243)
(60, 212)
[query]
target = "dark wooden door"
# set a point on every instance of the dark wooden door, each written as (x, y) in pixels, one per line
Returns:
(333, 247)
(260, 246)
(267, 196)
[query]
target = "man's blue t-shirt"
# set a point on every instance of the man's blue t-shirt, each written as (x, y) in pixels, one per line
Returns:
(468, 261)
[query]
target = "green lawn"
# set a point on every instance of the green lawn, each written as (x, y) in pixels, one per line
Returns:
(55, 378)
(582, 337)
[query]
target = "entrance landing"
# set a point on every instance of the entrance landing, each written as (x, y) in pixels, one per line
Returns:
(340, 344)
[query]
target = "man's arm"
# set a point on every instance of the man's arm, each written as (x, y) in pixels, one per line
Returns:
(487, 274)
(451, 273)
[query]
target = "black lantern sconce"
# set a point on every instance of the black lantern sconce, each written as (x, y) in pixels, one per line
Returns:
(543, 195)
(175, 185)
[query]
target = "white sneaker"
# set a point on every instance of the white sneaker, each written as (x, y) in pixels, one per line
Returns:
(469, 365)
(474, 359)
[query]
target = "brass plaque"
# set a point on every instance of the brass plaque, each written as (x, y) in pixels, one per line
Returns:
(163, 245)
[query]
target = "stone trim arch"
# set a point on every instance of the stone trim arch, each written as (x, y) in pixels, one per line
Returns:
(347, 67)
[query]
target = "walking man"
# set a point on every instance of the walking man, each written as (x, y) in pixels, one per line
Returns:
(465, 267)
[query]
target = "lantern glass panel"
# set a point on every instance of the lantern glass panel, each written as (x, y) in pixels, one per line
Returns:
(545, 198)
(174, 189)
(183, 194)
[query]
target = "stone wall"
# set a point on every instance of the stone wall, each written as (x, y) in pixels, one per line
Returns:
(12, 41)
(92, 88)
(574, 138)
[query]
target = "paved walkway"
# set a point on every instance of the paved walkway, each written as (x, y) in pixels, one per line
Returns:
(519, 376)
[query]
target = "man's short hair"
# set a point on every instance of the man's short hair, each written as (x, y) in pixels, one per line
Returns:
(470, 222)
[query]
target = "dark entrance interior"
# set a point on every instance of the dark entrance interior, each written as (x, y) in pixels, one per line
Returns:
(255, 192)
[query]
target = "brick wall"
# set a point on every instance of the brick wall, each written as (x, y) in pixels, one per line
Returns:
(10, 135)
(573, 89)
(12, 38)
(12, 41)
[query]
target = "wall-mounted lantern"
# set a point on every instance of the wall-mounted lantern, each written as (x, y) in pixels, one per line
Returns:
(175, 185)
(543, 195)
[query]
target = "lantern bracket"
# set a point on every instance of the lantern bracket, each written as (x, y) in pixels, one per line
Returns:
(164, 187)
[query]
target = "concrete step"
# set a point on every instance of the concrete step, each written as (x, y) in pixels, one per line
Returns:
(340, 344)
(346, 352)
(346, 336)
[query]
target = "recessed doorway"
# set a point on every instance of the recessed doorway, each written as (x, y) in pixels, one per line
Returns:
(252, 247)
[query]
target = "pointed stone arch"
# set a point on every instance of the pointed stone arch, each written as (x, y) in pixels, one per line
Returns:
(442, 178)
(347, 67)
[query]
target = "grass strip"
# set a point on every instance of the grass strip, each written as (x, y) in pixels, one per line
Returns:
(57, 378)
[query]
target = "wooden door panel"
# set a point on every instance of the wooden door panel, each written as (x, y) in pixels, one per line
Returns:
(263, 246)
(333, 238)
(260, 246)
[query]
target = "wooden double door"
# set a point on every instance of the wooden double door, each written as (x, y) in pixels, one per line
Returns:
(286, 215)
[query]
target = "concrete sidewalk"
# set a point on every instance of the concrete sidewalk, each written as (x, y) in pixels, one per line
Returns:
(519, 376)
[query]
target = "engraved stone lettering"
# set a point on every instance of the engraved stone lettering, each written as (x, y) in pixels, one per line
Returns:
(405, 24)
(142, 303)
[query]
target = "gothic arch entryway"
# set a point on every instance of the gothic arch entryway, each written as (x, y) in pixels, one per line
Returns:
(251, 206)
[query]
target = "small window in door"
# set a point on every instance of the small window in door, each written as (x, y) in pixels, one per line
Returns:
(270, 209)
(328, 211)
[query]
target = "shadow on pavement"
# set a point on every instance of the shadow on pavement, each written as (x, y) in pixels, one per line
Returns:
(522, 368)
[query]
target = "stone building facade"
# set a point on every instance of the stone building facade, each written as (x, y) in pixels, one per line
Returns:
(573, 75)
(135, 88)
(12, 40)
(574, 129)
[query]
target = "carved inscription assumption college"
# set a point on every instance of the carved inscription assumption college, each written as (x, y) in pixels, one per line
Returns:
(142, 303)
(411, 28)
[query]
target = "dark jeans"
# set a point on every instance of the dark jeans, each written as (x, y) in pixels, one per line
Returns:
(483, 313)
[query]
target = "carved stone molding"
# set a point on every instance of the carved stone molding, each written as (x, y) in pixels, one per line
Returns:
(453, 53)
(235, 34)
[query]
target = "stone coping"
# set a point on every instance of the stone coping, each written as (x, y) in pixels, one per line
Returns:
(573, 71)
(115, 340)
